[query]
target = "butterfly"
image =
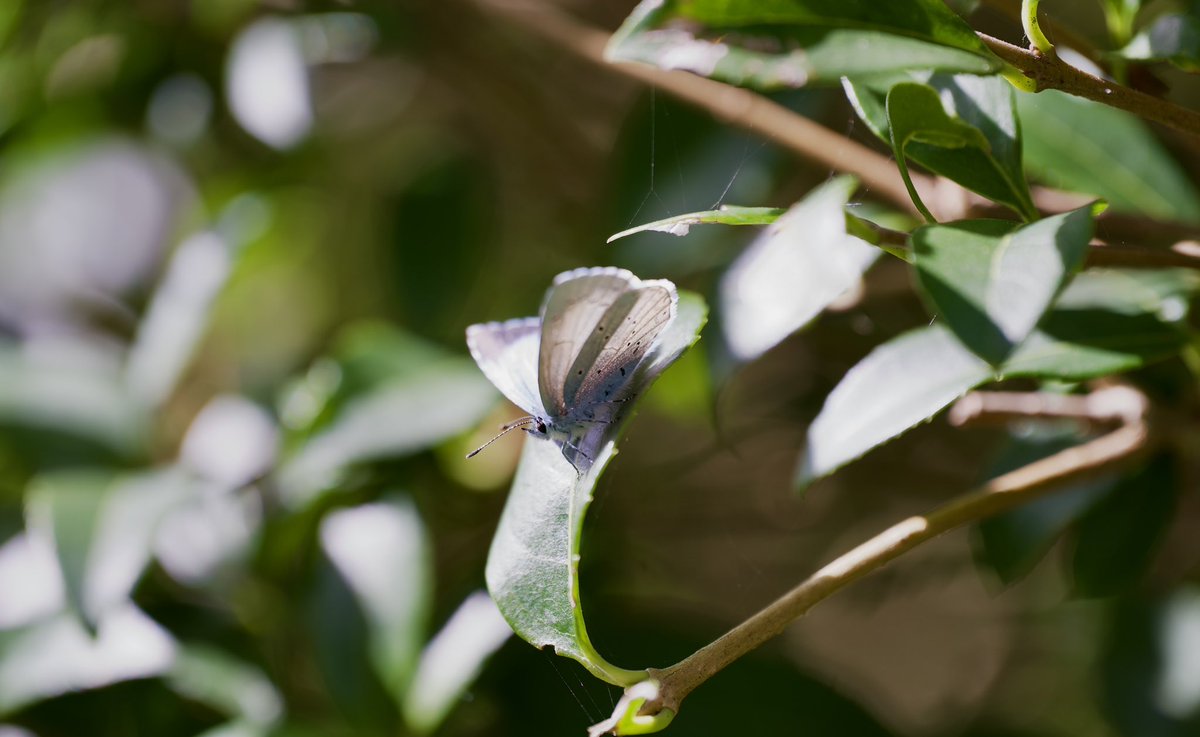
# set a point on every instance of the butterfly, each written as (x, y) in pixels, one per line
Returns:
(594, 347)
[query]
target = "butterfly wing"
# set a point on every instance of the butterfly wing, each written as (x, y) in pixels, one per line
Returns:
(507, 353)
(608, 361)
(574, 306)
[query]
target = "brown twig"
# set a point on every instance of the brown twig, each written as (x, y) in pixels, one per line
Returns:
(1103, 454)
(1058, 33)
(814, 142)
(739, 107)
(1047, 71)
(1108, 406)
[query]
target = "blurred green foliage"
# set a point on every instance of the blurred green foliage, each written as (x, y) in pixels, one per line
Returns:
(239, 244)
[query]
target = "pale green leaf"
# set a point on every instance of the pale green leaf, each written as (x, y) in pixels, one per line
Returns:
(992, 283)
(452, 660)
(74, 393)
(57, 655)
(410, 414)
(726, 215)
(382, 553)
(899, 385)
(533, 565)
(792, 43)
(793, 271)
(911, 378)
(1172, 37)
(1083, 146)
(232, 687)
(962, 128)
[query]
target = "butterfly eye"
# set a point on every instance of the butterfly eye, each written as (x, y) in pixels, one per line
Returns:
(541, 427)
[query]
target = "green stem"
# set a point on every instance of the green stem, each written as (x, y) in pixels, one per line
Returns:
(1033, 30)
(1049, 72)
(1129, 441)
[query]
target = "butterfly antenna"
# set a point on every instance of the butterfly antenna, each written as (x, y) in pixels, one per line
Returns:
(504, 430)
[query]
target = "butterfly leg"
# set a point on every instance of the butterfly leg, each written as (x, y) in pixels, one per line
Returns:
(573, 452)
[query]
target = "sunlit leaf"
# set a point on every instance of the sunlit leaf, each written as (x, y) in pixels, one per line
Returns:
(726, 215)
(238, 728)
(64, 507)
(58, 655)
(964, 128)
(1074, 345)
(381, 551)
(992, 282)
(792, 271)
(103, 529)
(210, 529)
(791, 44)
(1148, 666)
(401, 417)
(71, 395)
(900, 384)
(267, 83)
(178, 315)
(1173, 37)
(911, 378)
(114, 205)
(234, 688)
(1083, 146)
(452, 660)
(231, 442)
(1164, 293)
(533, 565)
(31, 580)
(1177, 687)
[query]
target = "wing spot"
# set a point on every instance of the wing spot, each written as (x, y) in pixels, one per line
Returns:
(581, 372)
(622, 371)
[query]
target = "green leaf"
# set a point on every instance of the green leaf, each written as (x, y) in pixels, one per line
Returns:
(792, 271)
(64, 507)
(381, 552)
(81, 395)
(899, 385)
(626, 718)
(992, 283)
(1011, 544)
(1083, 146)
(727, 215)
(178, 315)
(452, 660)
(239, 728)
(57, 655)
(103, 528)
(1073, 345)
(962, 128)
(1120, 15)
(1164, 293)
(1116, 540)
(232, 687)
(533, 565)
(408, 415)
(912, 377)
(1174, 37)
(791, 43)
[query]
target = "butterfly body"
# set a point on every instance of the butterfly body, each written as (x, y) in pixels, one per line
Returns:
(589, 352)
